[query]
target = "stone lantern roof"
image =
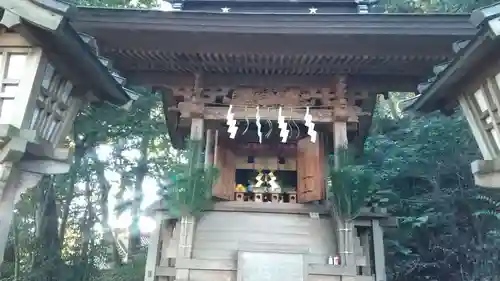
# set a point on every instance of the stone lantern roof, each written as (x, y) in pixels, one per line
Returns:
(45, 23)
(441, 91)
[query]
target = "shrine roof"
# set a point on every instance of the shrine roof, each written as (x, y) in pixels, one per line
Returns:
(259, 22)
(394, 51)
(321, 6)
(472, 57)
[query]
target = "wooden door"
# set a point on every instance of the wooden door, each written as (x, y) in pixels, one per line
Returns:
(230, 174)
(225, 162)
(310, 170)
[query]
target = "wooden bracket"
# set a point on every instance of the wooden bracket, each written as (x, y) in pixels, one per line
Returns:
(341, 86)
(341, 112)
(191, 109)
(197, 87)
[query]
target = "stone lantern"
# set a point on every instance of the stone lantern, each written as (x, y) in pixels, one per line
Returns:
(472, 80)
(48, 71)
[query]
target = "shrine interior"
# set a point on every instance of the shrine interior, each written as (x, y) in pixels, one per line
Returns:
(271, 162)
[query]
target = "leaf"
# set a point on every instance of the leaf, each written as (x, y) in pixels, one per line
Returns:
(187, 191)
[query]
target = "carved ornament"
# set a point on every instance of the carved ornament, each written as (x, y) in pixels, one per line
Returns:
(252, 97)
(325, 103)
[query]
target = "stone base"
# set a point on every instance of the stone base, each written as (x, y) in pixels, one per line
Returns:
(233, 241)
(487, 173)
(265, 266)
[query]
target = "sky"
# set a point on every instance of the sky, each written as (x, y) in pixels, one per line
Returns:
(161, 5)
(164, 6)
(149, 188)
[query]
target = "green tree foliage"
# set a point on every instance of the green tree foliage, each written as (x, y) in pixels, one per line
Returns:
(62, 229)
(419, 168)
(432, 6)
(117, 3)
(353, 185)
(188, 188)
(448, 226)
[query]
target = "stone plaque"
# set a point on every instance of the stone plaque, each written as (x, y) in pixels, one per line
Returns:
(261, 266)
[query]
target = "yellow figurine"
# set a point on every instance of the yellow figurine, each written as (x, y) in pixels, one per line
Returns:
(240, 188)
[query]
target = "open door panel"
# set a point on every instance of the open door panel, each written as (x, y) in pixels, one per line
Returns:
(310, 170)
(225, 162)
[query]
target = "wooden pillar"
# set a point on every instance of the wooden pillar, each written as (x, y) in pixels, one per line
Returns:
(347, 235)
(169, 237)
(366, 244)
(340, 119)
(345, 231)
(153, 248)
(378, 251)
(216, 144)
(187, 223)
(208, 149)
(340, 142)
(208, 156)
(196, 129)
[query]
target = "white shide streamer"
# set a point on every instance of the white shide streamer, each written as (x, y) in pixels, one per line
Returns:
(310, 125)
(273, 185)
(258, 179)
(231, 122)
(282, 125)
(259, 126)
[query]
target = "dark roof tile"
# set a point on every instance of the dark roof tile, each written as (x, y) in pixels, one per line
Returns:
(92, 42)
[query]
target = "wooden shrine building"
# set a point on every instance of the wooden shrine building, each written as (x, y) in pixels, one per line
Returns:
(274, 88)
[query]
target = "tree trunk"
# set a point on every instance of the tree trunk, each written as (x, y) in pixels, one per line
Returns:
(47, 257)
(392, 108)
(134, 241)
(86, 224)
(17, 248)
(70, 192)
(104, 188)
(86, 228)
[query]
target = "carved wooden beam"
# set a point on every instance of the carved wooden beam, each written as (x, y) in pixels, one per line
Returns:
(318, 115)
(257, 149)
(269, 97)
(196, 110)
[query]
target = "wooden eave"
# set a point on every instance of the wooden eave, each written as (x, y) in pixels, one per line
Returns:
(270, 5)
(472, 59)
(381, 52)
(261, 2)
(273, 23)
(65, 49)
